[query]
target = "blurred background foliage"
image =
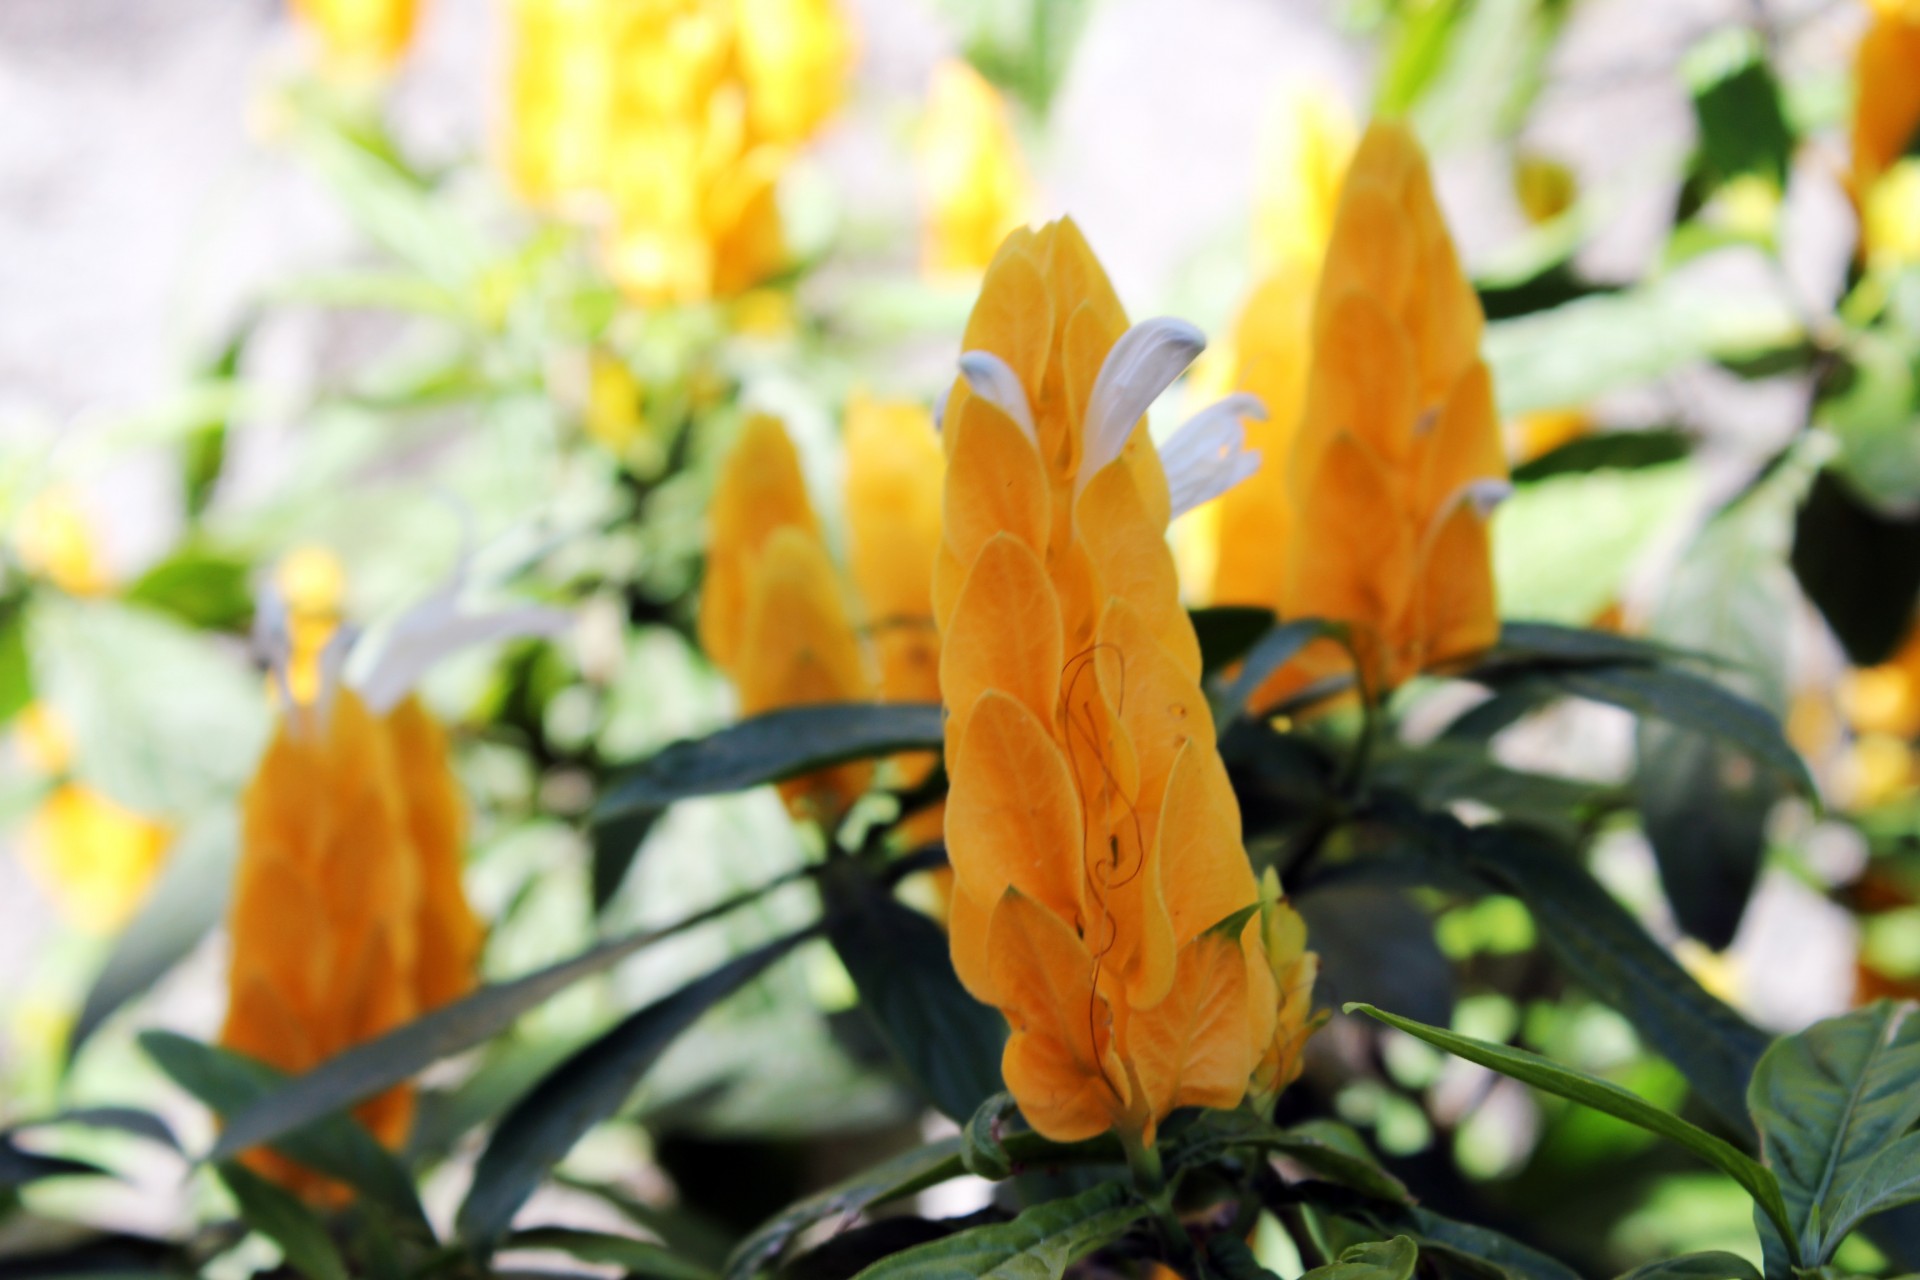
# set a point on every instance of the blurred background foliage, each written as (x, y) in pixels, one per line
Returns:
(558, 263)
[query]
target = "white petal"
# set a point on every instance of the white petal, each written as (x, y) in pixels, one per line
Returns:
(993, 380)
(436, 627)
(1141, 365)
(1487, 494)
(1208, 455)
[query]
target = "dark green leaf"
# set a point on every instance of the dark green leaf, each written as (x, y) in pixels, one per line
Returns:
(1541, 645)
(1609, 953)
(616, 843)
(770, 747)
(379, 1064)
(1226, 632)
(1383, 1260)
(1326, 1147)
(1868, 407)
(949, 1043)
(1375, 944)
(587, 1088)
(1444, 772)
(904, 1175)
(636, 1258)
(1828, 1102)
(1713, 1265)
(186, 902)
(1892, 1179)
(283, 1219)
(1467, 1243)
(336, 1146)
(1038, 1245)
(983, 1149)
(1601, 1095)
(1859, 566)
(1736, 104)
(17, 1167)
(1607, 451)
(143, 1124)
(1229, 1258)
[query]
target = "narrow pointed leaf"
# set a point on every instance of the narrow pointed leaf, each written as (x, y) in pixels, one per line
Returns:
(637, 1259)
(1712, 1265)
(1038, 1245)
(1384, 1260)
(283, 1219)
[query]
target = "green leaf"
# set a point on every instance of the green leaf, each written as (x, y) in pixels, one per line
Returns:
(1227, 632)
(771, 747)
(983, 1150)
(1326, 1147)
(144, 1124)
(949, 1043)
(283, 1219)
(1690, 701)
(1828, 1102)
(636, 1258)
(1607, 451)
(1446, 771)
(1601, 1095)
(588, 1087)
(1441, 1237)
(336, 1146)
(1892, 1179)
(16, 670)
(1565, 546)
(187, 900)
(1712, 1265)
(1384, 1260)
(1736, 103)
(1705, 806)
(17, 1167)
(1869, 410)
(616, 844)
(201, 588)
(378, 1064)
(1375, 943)
(1860, 567)
(1608, 342)
(1040, 1244)
(905, 1174)
(1608, 952)
(1546, 645)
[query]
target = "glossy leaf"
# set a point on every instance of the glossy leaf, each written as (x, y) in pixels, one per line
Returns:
(1272, 652)
(616, 846)
(1038, 1245)
(1601, 1095)
(337, 1145)
(1828, 1102)
(379, 1064)
(949, 1043)
(588, 1087)
(1326, 1147)
(641, 1259)
(283, 1219)
(1226, 632)
(769, 748)
(1890, 1180)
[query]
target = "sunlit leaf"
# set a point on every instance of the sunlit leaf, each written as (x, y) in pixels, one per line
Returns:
(1383, 1260)
(1038, 1245)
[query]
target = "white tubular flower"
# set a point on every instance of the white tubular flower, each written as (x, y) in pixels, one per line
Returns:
(1144, 363)
(994, 381)
(434, 628)
(1208, 455)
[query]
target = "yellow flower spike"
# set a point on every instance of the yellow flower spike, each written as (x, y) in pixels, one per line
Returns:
(55, 540)
(360, 38)
(560, 87)
(348, 917)
(312, 584)
(795, 57)
(1399, 457)
(1272, 344)
(799, 648)
(974, 187)
(760, 489)
(94, 857)
(1293, 969)
(1886, 105)
(1095, 841)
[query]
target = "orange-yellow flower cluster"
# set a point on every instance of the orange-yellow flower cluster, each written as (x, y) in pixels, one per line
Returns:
(1375, 499)
(973, 185)
(777, 616)
(1102, 898)
(1886, 114)
(348, 916)
(674, 119)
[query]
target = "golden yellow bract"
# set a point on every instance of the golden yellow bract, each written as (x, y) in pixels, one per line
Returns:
(1100, 882)
(974, 188)
(1886, 114)
(777, 616)
(1398, 459)
(360, 37)
(348, 916)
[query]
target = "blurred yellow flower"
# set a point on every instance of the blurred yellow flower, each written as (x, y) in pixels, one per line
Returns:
(1536, 434)
(974, 187)
(360, 37)
(1544, 187)
(54, 540)
(1236, 547)
(778, 618)
(1102, 898)
(672, 120)
(1886, 113)
(1885, 699)
(312, 585)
